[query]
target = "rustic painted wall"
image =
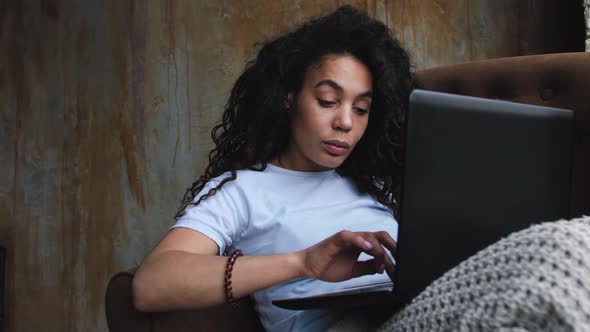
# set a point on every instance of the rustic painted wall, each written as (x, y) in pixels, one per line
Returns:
(106, 113)
(453, 31)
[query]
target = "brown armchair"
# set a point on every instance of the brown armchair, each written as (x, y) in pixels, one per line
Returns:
(556, 80)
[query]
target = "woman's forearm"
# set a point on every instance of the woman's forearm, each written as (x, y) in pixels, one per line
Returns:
(175, 280)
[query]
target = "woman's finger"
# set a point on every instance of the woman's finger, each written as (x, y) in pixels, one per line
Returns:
(377, 251)
(344, 239)
(362, 268)
(389, 267)
(372, 244)
(386, 240)
(381, 241)
(359, 241)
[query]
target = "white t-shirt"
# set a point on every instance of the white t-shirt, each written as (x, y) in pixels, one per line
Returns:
(279, 211)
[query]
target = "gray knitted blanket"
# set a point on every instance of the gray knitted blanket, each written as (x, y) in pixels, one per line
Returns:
(537, 279)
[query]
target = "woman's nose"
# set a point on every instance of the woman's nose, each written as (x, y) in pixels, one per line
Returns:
(343, 119)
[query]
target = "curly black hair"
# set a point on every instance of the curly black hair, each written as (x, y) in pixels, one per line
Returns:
(255, 127)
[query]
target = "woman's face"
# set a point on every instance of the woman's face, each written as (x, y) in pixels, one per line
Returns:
(329, 114)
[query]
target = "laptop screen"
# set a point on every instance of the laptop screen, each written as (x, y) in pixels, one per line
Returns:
(476, 170)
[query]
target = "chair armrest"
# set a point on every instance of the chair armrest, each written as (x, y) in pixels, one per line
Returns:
(122, 315)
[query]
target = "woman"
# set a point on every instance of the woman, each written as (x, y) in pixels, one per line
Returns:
(303, 178)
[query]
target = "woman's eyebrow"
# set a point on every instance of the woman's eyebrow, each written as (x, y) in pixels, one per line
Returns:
(331, 84)
(338, 88)
(368, 94)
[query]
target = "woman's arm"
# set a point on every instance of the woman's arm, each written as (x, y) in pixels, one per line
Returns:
(183, 271)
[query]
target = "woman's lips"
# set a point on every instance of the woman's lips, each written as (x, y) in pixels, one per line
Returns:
(336, 147)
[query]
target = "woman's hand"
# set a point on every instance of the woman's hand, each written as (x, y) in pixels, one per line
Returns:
(335, 258)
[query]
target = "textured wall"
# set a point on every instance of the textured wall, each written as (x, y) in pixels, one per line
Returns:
(106, 113)
(453, 31)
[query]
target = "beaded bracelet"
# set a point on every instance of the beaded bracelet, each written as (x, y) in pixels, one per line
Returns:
(229, 297)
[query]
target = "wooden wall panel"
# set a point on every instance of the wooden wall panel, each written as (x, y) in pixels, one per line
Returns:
(107, 112)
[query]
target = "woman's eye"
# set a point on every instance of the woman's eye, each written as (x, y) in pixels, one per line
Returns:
(326, 103)
(362, 111)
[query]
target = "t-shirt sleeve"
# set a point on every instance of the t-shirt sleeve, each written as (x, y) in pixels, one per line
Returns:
(219, 217)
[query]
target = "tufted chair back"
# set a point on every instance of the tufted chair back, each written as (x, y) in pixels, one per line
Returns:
(556, 80)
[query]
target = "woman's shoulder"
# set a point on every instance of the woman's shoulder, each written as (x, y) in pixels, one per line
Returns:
(244, 178)
(242, 175)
